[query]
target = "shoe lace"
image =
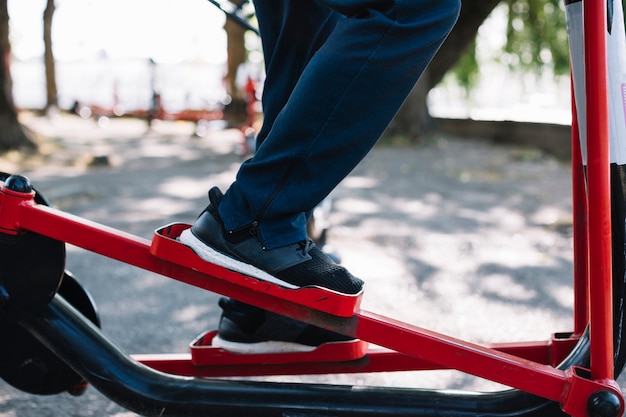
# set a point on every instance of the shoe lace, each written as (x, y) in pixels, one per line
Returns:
(305, 246)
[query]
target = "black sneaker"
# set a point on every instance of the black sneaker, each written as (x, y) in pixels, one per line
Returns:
(297, 265)
(247, 329)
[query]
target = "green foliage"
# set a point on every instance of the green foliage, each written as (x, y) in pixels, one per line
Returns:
(465, 71)
(537, 36)
(536, 39)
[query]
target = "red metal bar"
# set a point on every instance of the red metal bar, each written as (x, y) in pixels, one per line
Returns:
(542, 380)
(581, 248)
(377, 360)
(422, 344)
(598, 177)
(134, 250)
(538, 379)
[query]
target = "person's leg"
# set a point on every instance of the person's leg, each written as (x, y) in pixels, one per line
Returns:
(358, 75)
(338, 70)
(344, 99)
(291, 32)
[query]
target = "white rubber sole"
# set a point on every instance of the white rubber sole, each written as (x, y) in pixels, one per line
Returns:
(210, 255)
(260, 347)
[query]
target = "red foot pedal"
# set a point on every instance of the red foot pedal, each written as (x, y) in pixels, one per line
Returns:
(202, 353)
(166, 246)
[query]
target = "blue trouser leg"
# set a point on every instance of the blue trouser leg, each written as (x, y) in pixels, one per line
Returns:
(327, 111)
(291, 32)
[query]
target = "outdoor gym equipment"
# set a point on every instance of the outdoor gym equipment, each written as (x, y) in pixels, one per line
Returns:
(51, 341)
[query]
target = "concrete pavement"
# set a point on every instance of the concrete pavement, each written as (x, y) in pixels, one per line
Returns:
(458, 236)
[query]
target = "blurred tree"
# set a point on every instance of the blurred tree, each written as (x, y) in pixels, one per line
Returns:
(236, 110)
(536, 37)
(51, 83)
(12, 134)
(413, 120)
(236, 53)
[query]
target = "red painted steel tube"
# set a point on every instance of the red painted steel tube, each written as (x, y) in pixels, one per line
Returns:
(528, 376)
(598, 177)
(581, 248)
(133, 250)
(542, 380)
(377, 360)
(445, 351)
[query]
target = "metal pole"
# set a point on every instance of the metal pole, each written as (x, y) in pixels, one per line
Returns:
(581, 247)
(598, 175)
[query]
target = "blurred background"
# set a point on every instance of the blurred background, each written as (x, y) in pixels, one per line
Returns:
(505, 60)
(125, 112)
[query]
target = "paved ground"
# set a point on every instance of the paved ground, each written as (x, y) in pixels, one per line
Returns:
(458, 236)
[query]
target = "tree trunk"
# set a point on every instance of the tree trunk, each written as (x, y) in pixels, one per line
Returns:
(51, 84)
(12, 133)
(236, 111)
(236, 55)
(413, 120)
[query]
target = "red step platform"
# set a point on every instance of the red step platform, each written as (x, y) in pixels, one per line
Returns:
(165, 245)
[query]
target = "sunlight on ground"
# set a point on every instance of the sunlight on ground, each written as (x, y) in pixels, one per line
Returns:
(484, 257)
